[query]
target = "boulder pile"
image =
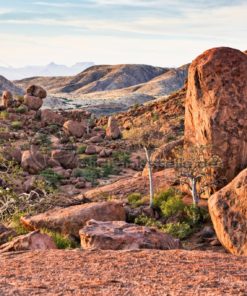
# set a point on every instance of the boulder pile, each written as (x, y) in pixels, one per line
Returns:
(34, 96)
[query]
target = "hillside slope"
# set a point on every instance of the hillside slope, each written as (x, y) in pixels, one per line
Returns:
(97, 78)
(5, 84)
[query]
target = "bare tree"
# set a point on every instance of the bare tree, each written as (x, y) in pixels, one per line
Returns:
(195, 167)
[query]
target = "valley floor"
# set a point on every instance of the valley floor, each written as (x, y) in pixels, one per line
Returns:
(143, 272)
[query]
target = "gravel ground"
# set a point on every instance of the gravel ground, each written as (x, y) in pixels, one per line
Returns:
(120, 273)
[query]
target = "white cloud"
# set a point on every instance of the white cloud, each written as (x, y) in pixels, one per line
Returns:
(5, 11)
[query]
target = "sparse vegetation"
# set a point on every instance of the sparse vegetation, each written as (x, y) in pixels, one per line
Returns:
(52, 178)
(16, 125)
(61, 241)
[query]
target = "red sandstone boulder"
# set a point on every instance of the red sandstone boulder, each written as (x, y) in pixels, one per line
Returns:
(7, 99)
(216, 107)
(66, 158)
(74, 128)
(31, 241)
(70, 220)
(33, 103)
(228, 210)
(33, 161)
(113, 131)
(119, 235)
(36, 91)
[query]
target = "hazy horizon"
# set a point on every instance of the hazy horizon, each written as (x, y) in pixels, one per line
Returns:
(161, 33)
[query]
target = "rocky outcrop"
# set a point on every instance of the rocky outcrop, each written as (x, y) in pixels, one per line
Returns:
(34, 96)
(33, 161)
(162, 180)
(228, 210)
(119, 235)
(70, 220)
(31, 241)
(112, 130)
(216, 107)
(74, 128)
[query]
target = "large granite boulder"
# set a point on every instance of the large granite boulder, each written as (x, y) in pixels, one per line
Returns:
(216, 108)
(119, 235)
(112, 130)
(228, 210)
(70, 220)
(33, 103)
(74, 128)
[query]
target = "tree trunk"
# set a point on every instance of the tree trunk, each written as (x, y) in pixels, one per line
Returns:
(194, 191)
(150, 175)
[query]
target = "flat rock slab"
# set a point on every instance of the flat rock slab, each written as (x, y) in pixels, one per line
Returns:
(70, 220)
(119, 235)
(114, 273)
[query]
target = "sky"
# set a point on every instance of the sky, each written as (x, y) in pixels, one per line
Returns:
(154, 32)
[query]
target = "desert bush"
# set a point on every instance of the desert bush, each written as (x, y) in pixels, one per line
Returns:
(52, 178)
(16, 124)
(135, 199)
(16, 224)
(122, 157)
(4, 115)
(108, 169)
(89, 161)
(61, 241)
(179, 230)
(21, 109)
(81, 149)
(90, 174)
(163, 196)
(147, 221)
(172, 206)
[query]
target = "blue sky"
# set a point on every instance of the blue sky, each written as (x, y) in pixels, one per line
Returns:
(156, 32)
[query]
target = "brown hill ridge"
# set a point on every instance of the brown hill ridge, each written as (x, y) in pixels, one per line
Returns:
(114, 81)
(5, 84)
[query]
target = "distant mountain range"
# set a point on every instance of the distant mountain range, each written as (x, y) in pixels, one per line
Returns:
(49, 70)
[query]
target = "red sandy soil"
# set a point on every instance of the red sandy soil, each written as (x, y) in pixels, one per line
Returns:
(122, 273)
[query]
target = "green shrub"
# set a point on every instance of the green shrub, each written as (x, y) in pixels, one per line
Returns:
(16, 124)
(90, 174)
(163, 196)
(21, 109)
(4, 115)
(146, 221)
(135, 199)
(195, 215)
(180, 230)
(89, 161)
(122, 157)
(61, 241)
(81, 149)
(51, 177)
(107, 169)
(172, 206)
(16, 224)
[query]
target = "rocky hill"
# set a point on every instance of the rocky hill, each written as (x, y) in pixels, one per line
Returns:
(128, 79)
(5, 84)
